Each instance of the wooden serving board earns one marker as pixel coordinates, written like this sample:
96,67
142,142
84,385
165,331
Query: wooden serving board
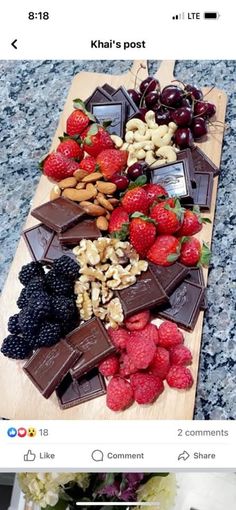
19,398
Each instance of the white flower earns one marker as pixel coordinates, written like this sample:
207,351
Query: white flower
161,489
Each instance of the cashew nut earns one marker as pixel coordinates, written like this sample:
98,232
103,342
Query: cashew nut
131,159
138,137
136,124
129,137
125,146
149,146
161,130
140,154
117,141
161,141
172,126
168,153
150,159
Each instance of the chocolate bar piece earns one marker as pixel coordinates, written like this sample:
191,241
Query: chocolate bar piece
202,194
55,250
99,95
184,305
187,156
108,88
59,214
49,365
86,229
122,95
73,392
202,163
175,178
147,292
37,239
169,277
114,112
92,341
195,275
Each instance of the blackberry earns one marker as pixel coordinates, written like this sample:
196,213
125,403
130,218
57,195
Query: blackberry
29,271
58,285
13,324
28,321
41,303
63,307
22,300
49,334
67,267
35,284
68,325
15,347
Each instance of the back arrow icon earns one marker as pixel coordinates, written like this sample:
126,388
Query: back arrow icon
14,44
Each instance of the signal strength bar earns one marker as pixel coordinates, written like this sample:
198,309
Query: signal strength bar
178,16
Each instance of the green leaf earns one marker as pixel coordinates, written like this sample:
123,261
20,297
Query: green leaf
106,123
93,130
140,181
205,255
172,257
142,217
79,104
121,234
206,220
183,239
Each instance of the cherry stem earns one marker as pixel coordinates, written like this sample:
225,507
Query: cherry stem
179,81
212,88
136,76
144,93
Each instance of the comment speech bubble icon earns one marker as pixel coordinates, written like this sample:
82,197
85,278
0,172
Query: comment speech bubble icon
97,455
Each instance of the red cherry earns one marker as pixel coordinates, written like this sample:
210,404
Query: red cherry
194,92
171,96
204,109
149,84
151,98
183,138
198,127
162,116
136,170
182,116
136,96
121,181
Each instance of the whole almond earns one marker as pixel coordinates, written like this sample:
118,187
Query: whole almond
104,202
80,174
113,201
106,187
70,182
102,223
78,195
92,177
92,209
80,185
55,192
91,189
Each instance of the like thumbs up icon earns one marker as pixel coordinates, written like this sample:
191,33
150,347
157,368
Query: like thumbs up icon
29,456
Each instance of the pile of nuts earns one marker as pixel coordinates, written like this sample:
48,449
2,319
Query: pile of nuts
94,195
150,142
106,265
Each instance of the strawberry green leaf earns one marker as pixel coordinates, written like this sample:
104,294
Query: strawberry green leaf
184,239
205,255
206,220
122,233
140,181
172,257
41,162
142,217
106,123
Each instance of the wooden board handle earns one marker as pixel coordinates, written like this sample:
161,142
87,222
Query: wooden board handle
165,72
139,69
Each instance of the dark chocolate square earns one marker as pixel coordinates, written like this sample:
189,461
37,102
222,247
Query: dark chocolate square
202,163
175,178
49,365
184,305
85,229
121,94
59,214
187,156
73,392
195,275
202,194
99,95
92,341
108,88
54,250
147,292
114,112
171,276
37,239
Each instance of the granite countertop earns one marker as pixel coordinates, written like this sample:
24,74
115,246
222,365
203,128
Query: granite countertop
32,95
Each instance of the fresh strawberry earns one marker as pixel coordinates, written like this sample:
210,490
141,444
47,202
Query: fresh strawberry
192,253
96,139
160,364
168,219
140,348
155,192
119,337
127,367
180,355
88,164
146,387
79,119
135,200
58,167
142,233
111,161
169,335
119,223
179,377
192,222
138,321
109,366
119,394
70,148
165,251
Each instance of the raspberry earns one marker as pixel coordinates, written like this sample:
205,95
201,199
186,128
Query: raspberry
152,331
138,321
15,347
13,324
169,335
67,267
127,367
119,337
179,377
146,387
141,349
109,366
30,270
180,355
160,364
119,394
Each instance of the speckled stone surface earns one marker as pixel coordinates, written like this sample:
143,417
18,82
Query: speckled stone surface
32,95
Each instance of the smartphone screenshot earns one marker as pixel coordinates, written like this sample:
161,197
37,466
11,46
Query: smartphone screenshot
117,315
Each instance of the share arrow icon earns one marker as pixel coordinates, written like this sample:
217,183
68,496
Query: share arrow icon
184,455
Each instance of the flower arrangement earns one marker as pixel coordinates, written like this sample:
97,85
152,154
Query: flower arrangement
62,490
